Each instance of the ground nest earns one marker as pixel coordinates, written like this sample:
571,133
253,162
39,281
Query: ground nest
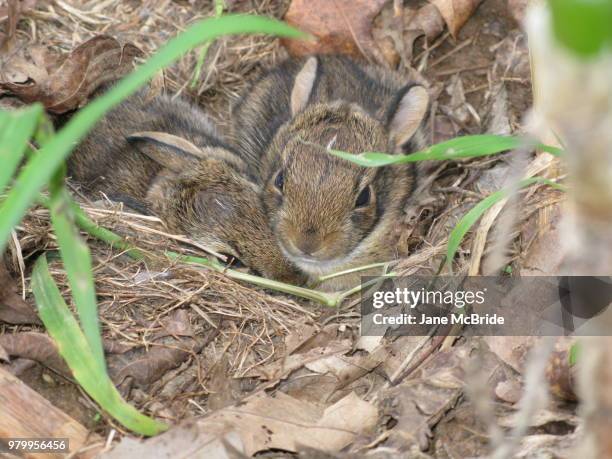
183,340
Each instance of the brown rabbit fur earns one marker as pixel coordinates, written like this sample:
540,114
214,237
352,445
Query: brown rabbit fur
329,214
165,156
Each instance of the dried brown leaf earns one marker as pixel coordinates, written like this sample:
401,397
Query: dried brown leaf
34,346
285,366
546,253
33,78
456,12
143,366
508,391
561,376
266,422
414,24
419,402
513,350
185,440
339,26
13,309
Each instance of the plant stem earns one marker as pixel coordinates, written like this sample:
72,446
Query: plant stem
326,299
358,288
113,239
352,270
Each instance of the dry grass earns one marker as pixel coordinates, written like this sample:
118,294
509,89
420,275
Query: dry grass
148,24
136,297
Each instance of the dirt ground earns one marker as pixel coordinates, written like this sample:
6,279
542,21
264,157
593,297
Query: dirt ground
183,342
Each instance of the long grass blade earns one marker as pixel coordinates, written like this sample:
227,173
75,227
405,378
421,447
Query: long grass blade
16,129
470,218
470,146
77,263
41,167
75,350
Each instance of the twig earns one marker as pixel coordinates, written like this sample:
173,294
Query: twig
456,49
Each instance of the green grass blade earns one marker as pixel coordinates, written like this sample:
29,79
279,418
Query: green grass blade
75,350
41,167
77,263
470,146
470,218
16,129
574,353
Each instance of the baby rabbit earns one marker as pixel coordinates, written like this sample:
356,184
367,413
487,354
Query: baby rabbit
328,214
165,156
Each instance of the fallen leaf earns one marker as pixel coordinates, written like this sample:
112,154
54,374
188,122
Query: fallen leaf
512,350
185,440
302,335
304,347
34,346
561,377
542,419
425,21
498,121
508,391
223,388
141,367
458,105
339,26
400,349
368,343
264,422
34,78
282,368
13,309
347,369
462,433
456,12
176,325
546,445
547,252
419,402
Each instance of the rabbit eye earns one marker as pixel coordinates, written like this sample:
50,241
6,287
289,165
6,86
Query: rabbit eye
279,181
364,197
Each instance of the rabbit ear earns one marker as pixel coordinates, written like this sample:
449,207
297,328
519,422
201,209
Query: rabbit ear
171,151
407,114
302,87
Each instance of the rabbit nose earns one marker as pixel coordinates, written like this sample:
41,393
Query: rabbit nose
308,244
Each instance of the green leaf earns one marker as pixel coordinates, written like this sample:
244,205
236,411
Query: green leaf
469,146
77,262
582,26
75,350
39,170
574,354
469,219
16,129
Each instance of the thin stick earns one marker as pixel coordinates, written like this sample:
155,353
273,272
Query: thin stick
352,270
